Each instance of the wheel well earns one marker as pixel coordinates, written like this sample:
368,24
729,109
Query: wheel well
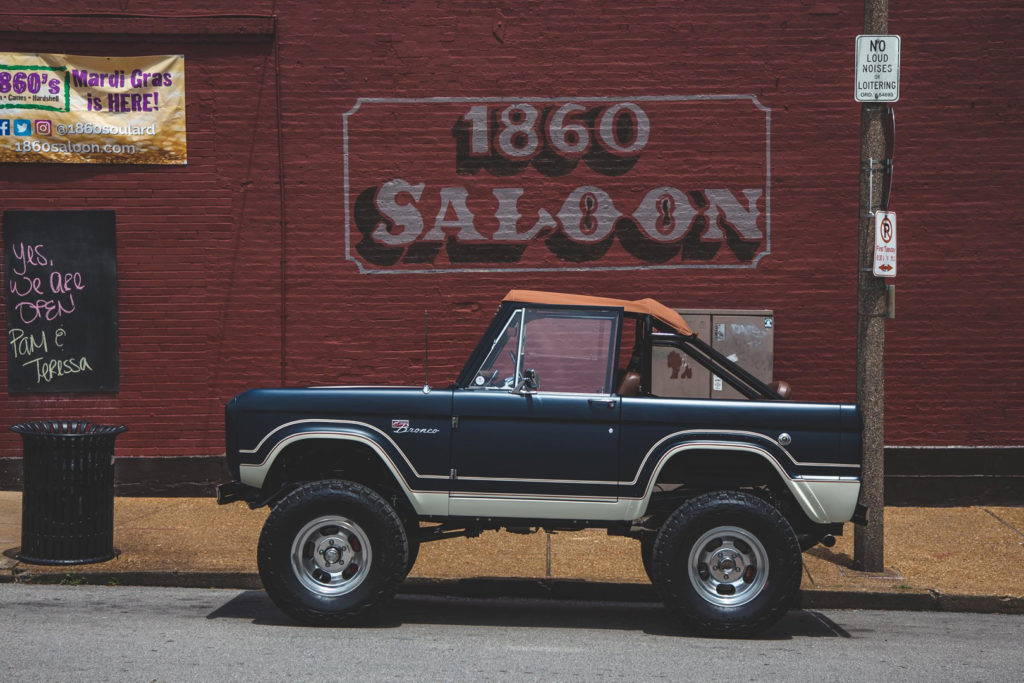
696,471
319,459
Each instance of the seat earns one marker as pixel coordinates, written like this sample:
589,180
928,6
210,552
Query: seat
630,384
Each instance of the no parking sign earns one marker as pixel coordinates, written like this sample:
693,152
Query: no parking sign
885,244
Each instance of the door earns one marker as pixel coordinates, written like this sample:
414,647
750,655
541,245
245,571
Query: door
555,439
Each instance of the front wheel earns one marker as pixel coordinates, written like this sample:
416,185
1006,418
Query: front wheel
331,550
646,554
728,562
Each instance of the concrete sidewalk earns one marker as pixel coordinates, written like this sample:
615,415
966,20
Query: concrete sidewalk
957,559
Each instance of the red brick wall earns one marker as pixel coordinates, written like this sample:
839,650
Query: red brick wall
200,247
198,252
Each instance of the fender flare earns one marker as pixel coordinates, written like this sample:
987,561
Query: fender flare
391,455
807,491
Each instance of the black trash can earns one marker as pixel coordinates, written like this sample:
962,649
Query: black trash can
67,508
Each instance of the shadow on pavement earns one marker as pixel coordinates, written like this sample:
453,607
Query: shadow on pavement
841,559
253,606
648,618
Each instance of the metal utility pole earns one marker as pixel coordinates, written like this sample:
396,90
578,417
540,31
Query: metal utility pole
868,541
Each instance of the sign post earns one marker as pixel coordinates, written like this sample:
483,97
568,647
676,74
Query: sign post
877,82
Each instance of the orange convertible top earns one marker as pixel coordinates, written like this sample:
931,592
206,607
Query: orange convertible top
649,307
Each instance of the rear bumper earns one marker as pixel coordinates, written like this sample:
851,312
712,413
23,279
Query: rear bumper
827,501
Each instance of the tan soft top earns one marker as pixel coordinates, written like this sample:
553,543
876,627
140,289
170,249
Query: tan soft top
649,307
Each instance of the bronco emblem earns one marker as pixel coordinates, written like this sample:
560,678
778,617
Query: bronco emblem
402,427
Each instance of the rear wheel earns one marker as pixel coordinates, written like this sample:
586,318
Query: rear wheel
728,563
331,550
414,551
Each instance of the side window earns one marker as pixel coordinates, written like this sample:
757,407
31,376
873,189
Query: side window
499,368
570,351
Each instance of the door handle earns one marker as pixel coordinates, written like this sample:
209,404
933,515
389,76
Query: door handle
607,402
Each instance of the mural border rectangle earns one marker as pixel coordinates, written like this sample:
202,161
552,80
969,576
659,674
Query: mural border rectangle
490,100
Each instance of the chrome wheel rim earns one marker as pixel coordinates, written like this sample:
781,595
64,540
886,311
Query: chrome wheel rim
331,555
728,566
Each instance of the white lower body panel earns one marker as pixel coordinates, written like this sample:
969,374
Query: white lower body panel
826,501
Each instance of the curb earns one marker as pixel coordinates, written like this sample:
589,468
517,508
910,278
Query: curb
930,601
236,580
562,589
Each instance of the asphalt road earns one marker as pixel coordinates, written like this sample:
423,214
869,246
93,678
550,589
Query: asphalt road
180,634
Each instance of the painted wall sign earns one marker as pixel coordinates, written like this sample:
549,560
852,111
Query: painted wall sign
60,282
92,110
616,183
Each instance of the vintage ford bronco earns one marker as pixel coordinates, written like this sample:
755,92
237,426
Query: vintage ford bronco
553,425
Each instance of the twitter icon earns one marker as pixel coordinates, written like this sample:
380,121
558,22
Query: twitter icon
22,127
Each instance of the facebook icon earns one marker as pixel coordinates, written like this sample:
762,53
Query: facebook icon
5,126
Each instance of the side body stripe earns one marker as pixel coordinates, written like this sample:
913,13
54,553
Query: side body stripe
429,495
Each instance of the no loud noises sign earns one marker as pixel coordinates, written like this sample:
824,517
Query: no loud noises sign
877,76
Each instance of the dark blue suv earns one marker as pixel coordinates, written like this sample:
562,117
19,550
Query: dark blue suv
552,424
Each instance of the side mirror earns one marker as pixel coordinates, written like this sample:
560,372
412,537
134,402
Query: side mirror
528,383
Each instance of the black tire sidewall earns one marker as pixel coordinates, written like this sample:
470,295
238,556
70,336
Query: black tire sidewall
670,559
647,554
383,529
414,551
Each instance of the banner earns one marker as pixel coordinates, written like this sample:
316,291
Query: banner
92,110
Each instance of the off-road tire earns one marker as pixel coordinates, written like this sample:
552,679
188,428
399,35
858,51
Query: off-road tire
647,553
714,534
414,551
334,512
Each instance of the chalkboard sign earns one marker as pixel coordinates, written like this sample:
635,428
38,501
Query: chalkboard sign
60,277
